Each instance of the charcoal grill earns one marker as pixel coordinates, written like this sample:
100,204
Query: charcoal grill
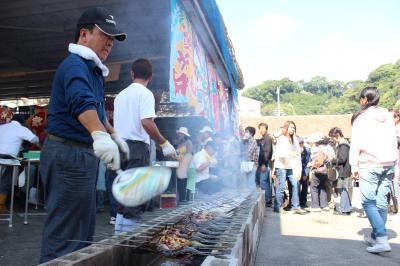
226,236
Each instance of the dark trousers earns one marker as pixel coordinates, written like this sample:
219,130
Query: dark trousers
258,177
329,189
110,177
69,175
139,155
182,193
303,192
6,179
318,191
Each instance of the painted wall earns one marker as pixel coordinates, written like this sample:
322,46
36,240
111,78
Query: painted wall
194,78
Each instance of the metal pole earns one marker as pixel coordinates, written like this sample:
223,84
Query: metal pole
278,90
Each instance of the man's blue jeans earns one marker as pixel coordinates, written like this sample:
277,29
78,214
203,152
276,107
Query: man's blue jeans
69,175
110,177
374,188
265,185
283,175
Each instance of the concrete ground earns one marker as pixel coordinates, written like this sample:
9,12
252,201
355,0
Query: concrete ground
20,245
322,239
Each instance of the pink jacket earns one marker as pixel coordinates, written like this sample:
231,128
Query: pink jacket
373,140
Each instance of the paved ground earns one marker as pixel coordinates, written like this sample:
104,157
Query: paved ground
20,245
322,239
287,239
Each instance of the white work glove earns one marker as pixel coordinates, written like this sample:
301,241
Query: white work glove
122,145
168,149
106,149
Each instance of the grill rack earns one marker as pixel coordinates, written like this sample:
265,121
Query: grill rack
234,205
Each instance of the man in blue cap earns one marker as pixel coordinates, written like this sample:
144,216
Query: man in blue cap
79,135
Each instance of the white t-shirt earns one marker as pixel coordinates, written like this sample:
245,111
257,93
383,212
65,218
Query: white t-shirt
131,105
11,136
198,159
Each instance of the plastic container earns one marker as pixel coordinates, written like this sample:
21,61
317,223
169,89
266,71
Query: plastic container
167,201
33,155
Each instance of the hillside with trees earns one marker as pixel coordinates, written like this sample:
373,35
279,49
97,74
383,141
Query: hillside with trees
322,96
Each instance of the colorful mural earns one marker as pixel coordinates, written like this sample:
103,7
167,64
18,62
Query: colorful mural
193,77
181,58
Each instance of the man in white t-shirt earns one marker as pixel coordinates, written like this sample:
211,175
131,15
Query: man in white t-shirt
201,162
12,134
134,113
205,136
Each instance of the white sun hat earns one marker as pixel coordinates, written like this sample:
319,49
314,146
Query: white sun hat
184,131
205,129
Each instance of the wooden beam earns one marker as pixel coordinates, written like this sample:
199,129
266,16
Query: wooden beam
25,58
57,6
58,30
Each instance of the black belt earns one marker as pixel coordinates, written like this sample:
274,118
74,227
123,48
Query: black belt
70,142
136,142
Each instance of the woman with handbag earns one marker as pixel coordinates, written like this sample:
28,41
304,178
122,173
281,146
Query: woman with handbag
250,154
341,167
288,166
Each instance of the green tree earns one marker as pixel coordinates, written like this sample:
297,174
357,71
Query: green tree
321,96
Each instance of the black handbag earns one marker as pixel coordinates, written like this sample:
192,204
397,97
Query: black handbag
332,171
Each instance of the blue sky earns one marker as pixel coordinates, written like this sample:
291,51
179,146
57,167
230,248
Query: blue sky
299,39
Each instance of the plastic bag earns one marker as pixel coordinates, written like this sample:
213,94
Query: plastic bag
138,185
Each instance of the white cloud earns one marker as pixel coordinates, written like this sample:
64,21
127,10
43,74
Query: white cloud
339,56
336,56
272,29
256,42
262,51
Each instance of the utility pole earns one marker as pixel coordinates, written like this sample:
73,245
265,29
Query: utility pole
278,90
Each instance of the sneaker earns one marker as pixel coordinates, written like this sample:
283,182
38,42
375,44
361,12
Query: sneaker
287,208
299,211
381,245
326,209
341,213
112,221
368,240
305,209
362,215
315,209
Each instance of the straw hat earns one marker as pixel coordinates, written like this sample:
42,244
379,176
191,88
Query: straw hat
206,129
184,131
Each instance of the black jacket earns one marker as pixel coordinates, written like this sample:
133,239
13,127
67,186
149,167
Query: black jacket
265,150
342,160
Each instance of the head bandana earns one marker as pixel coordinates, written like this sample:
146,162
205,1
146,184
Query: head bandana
6,115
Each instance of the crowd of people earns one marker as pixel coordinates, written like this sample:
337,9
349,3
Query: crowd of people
330,166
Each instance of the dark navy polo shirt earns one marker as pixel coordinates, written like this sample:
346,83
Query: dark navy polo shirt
78,86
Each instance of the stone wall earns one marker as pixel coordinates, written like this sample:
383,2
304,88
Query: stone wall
306,124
